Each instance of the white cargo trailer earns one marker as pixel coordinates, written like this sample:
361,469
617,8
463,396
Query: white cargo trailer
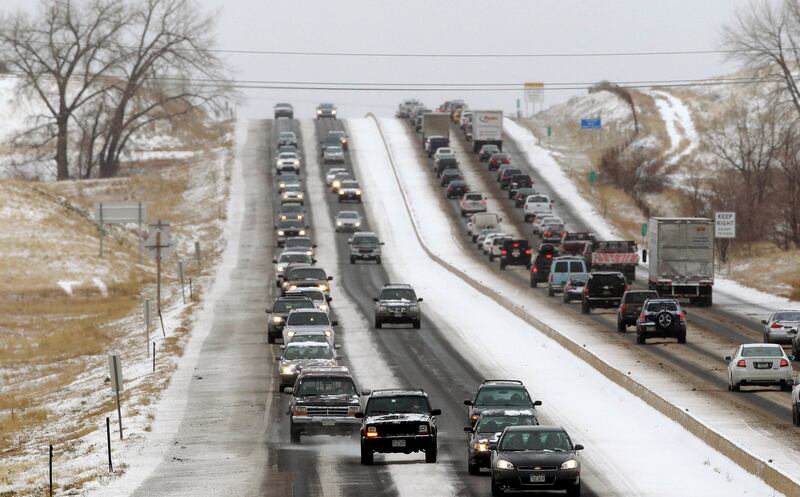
487,128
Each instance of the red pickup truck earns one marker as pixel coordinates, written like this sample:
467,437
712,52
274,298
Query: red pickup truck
615,255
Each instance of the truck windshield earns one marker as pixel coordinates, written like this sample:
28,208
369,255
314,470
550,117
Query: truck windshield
308,319
414,404
398,294
308,352
326,386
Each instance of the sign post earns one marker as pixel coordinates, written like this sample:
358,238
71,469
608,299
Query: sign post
116,384
158,246
147,322
534,94
119,213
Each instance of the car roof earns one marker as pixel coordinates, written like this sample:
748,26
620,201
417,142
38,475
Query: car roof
396,285
292,297
312,310
391,392
535,428
364,233
661,299
501,382
308,344
508,412
329,371
644,291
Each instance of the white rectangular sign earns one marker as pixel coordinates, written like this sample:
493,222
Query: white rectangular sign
534,92
121,212
115,373
725,225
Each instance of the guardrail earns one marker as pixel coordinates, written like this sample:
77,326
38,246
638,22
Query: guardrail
749,462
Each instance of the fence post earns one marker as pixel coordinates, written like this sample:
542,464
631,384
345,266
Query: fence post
51,471
154,357
108,440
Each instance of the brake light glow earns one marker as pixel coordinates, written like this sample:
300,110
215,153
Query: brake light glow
776,325
549,256
528,252
641,317
516,245
503,252
741,364
681,316
623,308
784,363
535,269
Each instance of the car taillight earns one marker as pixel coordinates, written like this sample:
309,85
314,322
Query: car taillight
549,256
516,245
503,252
776,325
586,290
681,316
784,363
483,202
623,308
641,317
528,252
741,364
535,269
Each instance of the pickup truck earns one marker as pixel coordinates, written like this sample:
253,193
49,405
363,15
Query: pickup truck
575,243
615,255
536,205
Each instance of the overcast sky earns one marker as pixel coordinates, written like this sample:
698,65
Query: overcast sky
459,27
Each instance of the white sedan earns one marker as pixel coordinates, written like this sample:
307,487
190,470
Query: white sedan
331,174
759,364
487,242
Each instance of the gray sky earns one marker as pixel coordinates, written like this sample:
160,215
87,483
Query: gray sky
463,26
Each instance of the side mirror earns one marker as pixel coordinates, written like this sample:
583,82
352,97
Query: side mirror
349,241
537,403
313,261
274,226
436,412
330,278
578,447
644,255
366,392
337,346
334,323
288,390
268,311
277,358
313,246
791,358
419,299
308,227
764,321
728,358
358,415
493,445
282,347
329,299
374,299
382,243
467,402
468,429
274,261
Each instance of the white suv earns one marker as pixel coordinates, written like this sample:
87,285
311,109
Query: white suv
536,205
471,203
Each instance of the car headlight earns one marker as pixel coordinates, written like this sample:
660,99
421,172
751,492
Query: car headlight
296,162
287,370
481,446
283,185
283,217
571,464
352,410
302,232
280,269
413,308
290,334
293,287
299,195
357,224
336,184
308,252
280,232
323,287
319,112
333,112
358,192
338,223
277,319
503,464
300,411
327,333
474,418
422,429
372,432
323,307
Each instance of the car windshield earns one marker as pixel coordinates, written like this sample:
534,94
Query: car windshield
366,241
349,184
787,316
494,424
638,297
326,386
415,404
291,223
288,155
490,149
308,319
315,338
284,306
503,396
333,149
299,352
398,294
537,199
313,294
348,215
473,196
762,352
444,150
326,106
291,208
298,242
540,441
662,306
294,257
292,188
308,273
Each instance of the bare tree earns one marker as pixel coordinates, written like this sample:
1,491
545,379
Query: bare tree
168,71
766,37
786,191
61,57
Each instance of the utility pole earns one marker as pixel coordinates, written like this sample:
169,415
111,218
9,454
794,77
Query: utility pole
159,245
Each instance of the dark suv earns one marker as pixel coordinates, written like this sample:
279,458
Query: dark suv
505,177
324,401
398,421
487,429
540,269
661,318
631,307
397,303
515,253
434,143
603,290
499,394
280,310
487,151
365,246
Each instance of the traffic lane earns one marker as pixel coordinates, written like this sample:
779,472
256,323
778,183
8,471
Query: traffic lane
704,366
426,358
419,358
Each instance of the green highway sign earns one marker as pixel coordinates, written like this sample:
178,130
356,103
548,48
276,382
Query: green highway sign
644,229
592,177
549,131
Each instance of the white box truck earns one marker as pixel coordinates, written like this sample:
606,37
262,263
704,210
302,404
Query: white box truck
487,128
435,124
682,258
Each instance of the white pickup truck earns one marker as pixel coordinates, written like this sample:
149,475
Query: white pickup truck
536,205
482,220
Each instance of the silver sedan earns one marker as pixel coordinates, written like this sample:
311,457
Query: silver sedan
333,154
759,364
781,327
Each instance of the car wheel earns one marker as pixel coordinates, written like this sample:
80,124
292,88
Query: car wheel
378,323
417,324
270,338
430,453
294,434
352,260
566,298
473,469
550,292
682,338
534,283
574,490
378,260
796,348
640,339
735,386
585,309
496,489
621,326
491,257
796,415
281,386
786,387
502,265
367,455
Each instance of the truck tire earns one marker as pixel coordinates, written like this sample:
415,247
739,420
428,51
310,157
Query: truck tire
621,326
497,490
378,323
491,257
566,298
270,338
430,453
796,415
682,338
294,434
534,283
709,301
352,260
378,260
502,264
640,339
550,292
367,456
473,469
585,309
527,218
417,324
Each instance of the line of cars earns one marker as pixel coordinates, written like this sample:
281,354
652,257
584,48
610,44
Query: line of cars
599,274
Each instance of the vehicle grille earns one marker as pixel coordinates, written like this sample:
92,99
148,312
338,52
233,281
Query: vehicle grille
538,468
327,410
398,430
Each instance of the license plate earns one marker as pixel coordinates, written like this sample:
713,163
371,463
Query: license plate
328,422
398,443
762,365
537,478
398,314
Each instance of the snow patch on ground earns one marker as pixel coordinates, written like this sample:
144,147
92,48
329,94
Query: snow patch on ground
679,123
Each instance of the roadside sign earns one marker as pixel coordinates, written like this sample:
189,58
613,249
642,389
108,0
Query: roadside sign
549,131
591,123
725,225
120,212
644,230
115,373
159,240
534,92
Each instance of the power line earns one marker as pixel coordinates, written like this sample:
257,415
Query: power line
473,55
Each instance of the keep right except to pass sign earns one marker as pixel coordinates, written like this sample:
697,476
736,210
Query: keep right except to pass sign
725,225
